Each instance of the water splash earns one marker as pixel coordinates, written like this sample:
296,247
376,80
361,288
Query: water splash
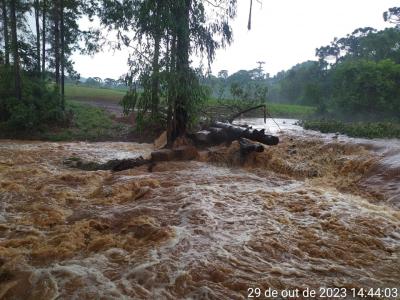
295,216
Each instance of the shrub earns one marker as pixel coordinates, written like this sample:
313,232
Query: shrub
38,107
367,87
358,129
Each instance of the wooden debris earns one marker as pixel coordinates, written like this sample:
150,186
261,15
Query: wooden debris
161,141
224,132
179,153
113,165
182,153
162,155
247,147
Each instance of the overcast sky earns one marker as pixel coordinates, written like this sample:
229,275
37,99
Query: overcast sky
284,33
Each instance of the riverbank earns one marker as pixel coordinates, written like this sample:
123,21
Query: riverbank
97,116
87,122
355,129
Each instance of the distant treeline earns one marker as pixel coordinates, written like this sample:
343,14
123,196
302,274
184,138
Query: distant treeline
357,75
109,83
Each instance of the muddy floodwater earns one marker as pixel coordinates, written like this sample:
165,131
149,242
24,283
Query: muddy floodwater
314,211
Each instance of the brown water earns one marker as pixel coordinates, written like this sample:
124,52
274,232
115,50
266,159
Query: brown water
299,215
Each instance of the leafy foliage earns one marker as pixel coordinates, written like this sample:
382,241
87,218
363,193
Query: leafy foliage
356,76
161,36
32,58
39,105
298,84
357,129
250,94
128,102
367,87
392,15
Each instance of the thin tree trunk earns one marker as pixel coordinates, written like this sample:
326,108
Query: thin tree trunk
37,12
251,9
5,28
44,39
171,90
155,80
14,43
56,46
62,55
182,69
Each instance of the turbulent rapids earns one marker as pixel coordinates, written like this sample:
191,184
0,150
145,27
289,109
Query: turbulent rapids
309,212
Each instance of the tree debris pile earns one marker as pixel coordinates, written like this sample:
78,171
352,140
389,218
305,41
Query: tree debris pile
225,133
250,140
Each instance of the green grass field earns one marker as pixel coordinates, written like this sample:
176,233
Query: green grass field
89,123
290,110
84,93
92,123
356,129
275,109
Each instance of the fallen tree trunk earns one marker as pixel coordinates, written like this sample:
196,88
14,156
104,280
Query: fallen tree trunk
182,153
217,134
235,132
224,132
113,165
231,119
179,154
247,147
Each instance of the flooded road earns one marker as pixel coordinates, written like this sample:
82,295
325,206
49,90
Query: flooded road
315,211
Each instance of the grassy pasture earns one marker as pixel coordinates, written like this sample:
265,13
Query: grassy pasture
84,93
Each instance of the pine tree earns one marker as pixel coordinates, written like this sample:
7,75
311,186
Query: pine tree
37,21
15,50
44,12
5,32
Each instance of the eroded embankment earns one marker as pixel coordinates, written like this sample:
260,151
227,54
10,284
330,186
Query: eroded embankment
295,216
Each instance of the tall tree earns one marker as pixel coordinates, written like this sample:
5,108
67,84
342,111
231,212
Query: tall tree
62,42
171,30
171,69
392,15
196,25
5,29
182,14
37,16
365,43
56,42
15,50
250,11
44,12
155,80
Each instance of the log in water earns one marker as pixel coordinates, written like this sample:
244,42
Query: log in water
221,132
235,132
